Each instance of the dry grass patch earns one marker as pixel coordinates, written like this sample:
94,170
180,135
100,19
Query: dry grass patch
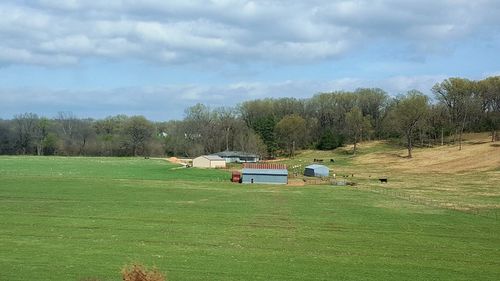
445,159
137,272
296,182
362,145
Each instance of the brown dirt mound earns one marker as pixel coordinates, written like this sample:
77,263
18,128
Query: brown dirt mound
174,160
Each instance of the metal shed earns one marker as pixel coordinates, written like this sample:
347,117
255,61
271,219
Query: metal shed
316,170
264,173
209,161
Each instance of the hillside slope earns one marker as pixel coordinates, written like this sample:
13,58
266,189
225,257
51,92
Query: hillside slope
447,177
477,154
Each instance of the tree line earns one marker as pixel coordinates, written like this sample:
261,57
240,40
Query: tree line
271,127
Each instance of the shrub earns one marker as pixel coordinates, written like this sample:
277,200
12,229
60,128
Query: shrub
137,272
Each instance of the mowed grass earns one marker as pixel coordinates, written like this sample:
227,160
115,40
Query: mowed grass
104,168
78,218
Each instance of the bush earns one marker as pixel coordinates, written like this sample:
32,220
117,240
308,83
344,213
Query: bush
137,272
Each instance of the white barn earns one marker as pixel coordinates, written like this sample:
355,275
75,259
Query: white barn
209,161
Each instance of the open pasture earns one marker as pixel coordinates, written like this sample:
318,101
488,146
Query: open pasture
78,218
466,180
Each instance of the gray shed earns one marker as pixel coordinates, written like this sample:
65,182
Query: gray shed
264,173
316,170
238,157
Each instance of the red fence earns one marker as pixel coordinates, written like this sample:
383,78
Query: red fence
266,166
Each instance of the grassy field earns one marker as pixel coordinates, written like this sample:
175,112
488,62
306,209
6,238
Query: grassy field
79,218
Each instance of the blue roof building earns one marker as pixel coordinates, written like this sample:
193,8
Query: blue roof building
264,174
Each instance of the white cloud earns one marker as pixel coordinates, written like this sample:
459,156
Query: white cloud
169,102
402,84
232,31
23,56
75,43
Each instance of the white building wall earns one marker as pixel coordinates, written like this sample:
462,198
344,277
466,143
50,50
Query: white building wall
218,164
201,162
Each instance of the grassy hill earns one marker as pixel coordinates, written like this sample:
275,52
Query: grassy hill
466,179
478,154
79,218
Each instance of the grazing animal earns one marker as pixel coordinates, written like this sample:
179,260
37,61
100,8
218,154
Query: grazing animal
382,180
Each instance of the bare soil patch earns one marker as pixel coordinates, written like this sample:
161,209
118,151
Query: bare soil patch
296,182
174,160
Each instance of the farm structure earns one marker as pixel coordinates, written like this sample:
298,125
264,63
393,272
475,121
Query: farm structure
209,161
264,173
316,170
238,157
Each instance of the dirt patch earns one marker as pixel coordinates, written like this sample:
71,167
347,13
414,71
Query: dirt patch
179,161
174,160
296,182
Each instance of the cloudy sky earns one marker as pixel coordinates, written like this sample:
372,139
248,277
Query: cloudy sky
157,57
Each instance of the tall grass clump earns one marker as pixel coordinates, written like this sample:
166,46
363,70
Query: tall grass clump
137,272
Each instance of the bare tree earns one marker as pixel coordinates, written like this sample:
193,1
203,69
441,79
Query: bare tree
356,124
7,141
408,114
67,122
83,131
460,97
489,90
25,131
226,118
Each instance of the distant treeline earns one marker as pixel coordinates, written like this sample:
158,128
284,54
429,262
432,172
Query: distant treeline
270,127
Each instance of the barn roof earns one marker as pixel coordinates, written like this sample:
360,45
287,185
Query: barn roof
265,166
213,157
235,154
265,169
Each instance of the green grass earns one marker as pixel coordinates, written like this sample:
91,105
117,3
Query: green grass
74,218
105,168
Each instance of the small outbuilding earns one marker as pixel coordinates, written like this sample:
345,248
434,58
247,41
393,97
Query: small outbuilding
316,170
264,173
209,161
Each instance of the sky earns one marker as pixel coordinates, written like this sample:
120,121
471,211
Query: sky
156,57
